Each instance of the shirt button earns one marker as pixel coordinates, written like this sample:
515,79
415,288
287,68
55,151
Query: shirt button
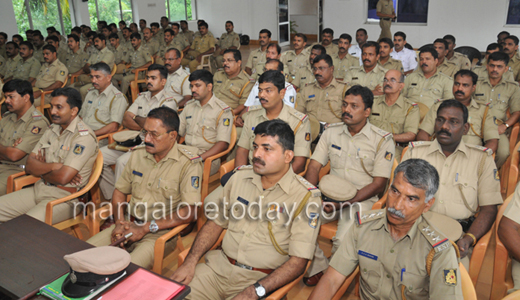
149,184
392,251
442,201
446,165
387,275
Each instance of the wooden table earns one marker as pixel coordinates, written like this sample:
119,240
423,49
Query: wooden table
31,256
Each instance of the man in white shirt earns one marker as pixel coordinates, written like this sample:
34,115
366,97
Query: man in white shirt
290,91
361,39
407,57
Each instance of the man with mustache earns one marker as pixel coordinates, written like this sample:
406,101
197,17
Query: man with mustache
360,153
481,70
20,129
62,158
297,58
361,39
385,60
327,35
322,99
206,121
104,105
511,49
394,113
390,245
12,62
29,68
483,129
502,95
53,73
444,65
370,74
428,84
342,60
163,181
305,75
468,175
407,56
186,32
134,119
228,40
256,60
177,85
202,45
149,42
251,265
75,58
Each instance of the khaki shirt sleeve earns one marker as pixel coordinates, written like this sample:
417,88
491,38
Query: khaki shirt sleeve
303,236
411,122
190,192
118,109
223,129
62,74
428,123
214,206
186,89
300,104
489,184
109,59
124,183
448,89
490,128
244,141
42,143
513,208
89,146
379,6
249,63
296,81
211,43
236,41
245,93
182,122
321,152
514,101
302,147
384,166
35,69
445,260
29,138
134,107
346,259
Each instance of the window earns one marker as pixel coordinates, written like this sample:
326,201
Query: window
111,11
40,14
513,13
177,10
407,11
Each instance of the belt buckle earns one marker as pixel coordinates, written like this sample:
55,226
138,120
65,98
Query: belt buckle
243,266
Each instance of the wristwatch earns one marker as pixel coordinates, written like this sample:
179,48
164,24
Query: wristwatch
259,289
507,125
153,227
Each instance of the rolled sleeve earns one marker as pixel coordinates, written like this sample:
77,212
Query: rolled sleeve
124,182
89,148
29,138
303,236
514,101
182,123
384,166
302,147
35,69
442,261
489,184
223,130
190,192
411,122
321,152
217,213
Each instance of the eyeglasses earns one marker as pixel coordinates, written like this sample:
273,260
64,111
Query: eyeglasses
228,60
314,69
154,134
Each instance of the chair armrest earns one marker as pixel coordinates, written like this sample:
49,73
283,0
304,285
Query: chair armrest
381,202
159,247
73,78
50,205
108,135
284,290
24,181
10,181
226,167
136,74
344,287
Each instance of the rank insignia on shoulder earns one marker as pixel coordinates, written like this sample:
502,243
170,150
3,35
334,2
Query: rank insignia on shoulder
36,130
226,122
309,186
450,277
78,149
195,181
415,144
414,104
369,216
244,167
313,220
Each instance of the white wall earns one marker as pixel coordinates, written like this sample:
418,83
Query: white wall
80,15
307,24
473,22
150,10
305,13
8,19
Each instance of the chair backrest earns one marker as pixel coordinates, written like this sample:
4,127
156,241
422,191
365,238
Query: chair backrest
114,70
501,260
468,290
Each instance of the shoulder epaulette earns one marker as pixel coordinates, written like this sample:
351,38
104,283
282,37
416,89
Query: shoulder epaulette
414,104
387,135
223,105
244,167
191,101
309,186
300,116
186,151
254,107
370,215
442,74
91,89
436,239
37,115
82,128
333,125
418,144
480,148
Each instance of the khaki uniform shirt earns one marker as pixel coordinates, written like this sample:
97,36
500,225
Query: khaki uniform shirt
10,65
120,54
419,89
476,133
324,104
3,51
233,91
373,145
505,95
75,147
51,73
38,54
145,103
459,176
386,266
298,122
402,116
203,43
514,65
482,73
385,7
332,49
27,69
342,66
75,61
152,45
102,109
164,47
248,241
358,75
293,62
2,62
139,57
126,44
228,40
178,85
448,68
256,62
188,34
180,42
461,60
62,53
30,127
392,64
303,77
105,55
174,179
203,126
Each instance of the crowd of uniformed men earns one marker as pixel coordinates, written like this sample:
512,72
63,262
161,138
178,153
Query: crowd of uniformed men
354,108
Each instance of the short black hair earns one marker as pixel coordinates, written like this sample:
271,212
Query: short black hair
471,74
15,45
22,87
113,36
142,20
4,35
302,36
17,36
442,41
176,25
328,31
499,56
27,44
279,64
401,34
101,36
456,104
236,54
92,34
76,30
135,35
203,24
514,38
365,93
266,31
346,36
275,45
168,117
73,96
494,46
503,32
177,52
202,75
230,22
184,22
387,41
52,38
325,57
274,77
155,24
430,50
363,30
51,48
122,22
170,32
371,44
101,66
127,29
319,47
449,37
277,128
51,28
162,70
75,37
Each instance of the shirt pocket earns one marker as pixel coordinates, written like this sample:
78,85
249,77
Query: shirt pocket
337,157
368,159
167,188
370,271
413,90
436,91
416,286
138,186
466,188
210,131
103,113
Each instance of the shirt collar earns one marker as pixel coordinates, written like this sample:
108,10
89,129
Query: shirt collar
72,126
173,154
284,183
365,131
28,114
157,97
435,146
107,91
412,233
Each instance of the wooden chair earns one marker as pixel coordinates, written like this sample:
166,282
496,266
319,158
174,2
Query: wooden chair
276,295
17,181
513,137
343,288
512,296
509,174
2,102
134,84
42,98
468,289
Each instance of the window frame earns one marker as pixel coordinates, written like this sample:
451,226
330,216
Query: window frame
60,14
120,11
193,11
376,21
506,25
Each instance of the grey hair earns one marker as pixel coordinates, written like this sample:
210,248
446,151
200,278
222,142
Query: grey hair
101,67
420,174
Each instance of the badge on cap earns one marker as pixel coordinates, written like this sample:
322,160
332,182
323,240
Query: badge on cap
450,277
36,130
62,73
195,181
307,136
78,149
495,174
226,122
313,220
388,156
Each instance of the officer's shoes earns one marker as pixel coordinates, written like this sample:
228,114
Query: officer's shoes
313,280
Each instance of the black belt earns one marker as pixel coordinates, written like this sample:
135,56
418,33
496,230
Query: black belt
386,19
404,145
466,223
